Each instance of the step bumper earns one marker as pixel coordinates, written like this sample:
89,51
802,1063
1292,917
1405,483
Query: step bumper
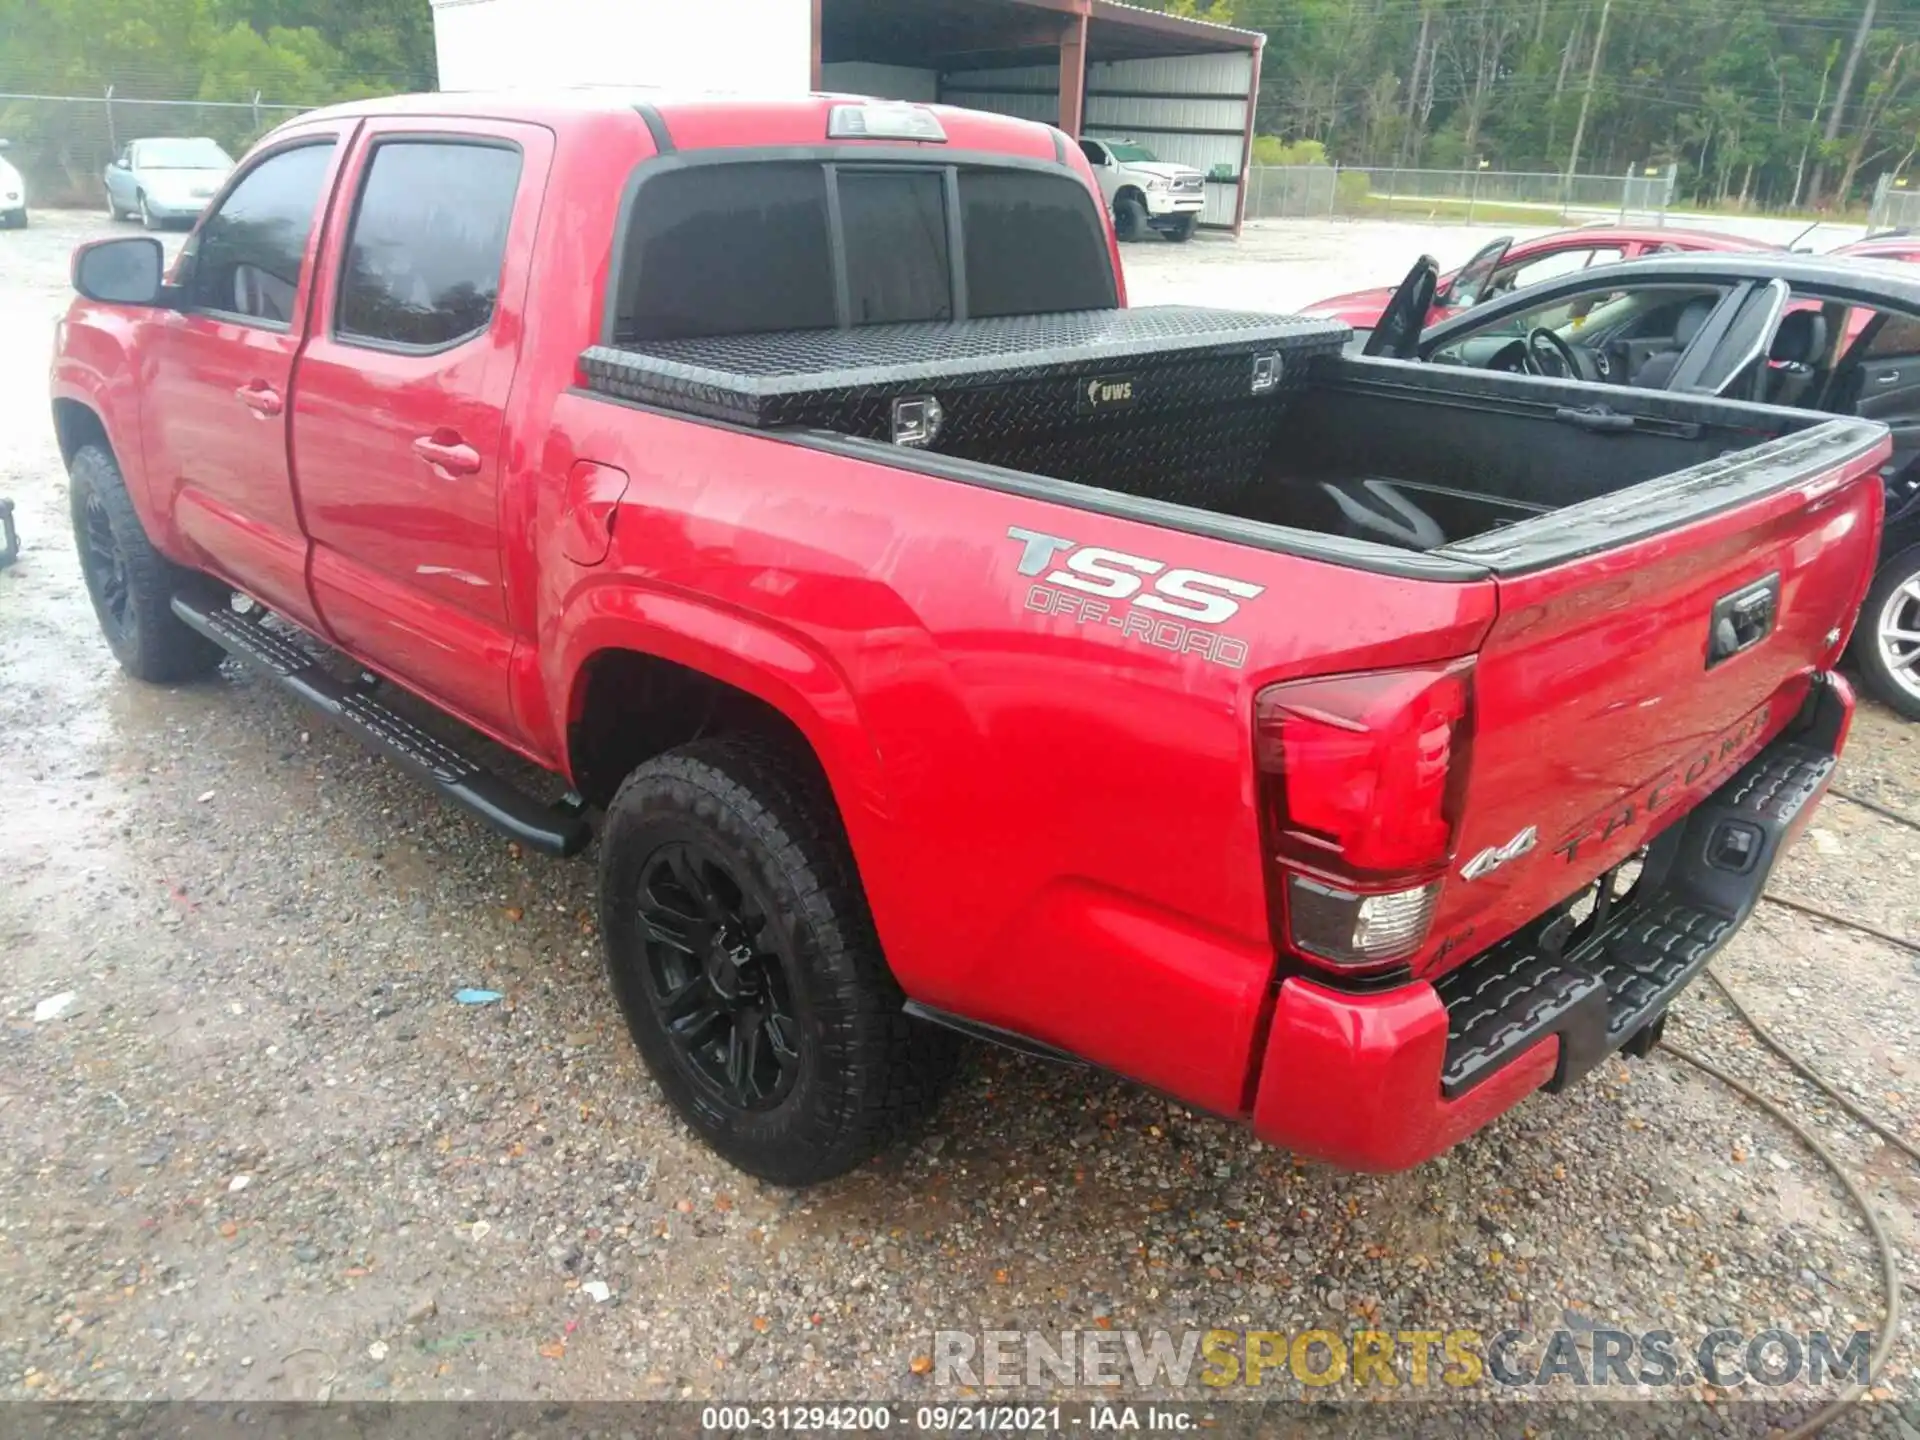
1384,1081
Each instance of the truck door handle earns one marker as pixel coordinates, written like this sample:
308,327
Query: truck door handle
445,450
1890,377
260,397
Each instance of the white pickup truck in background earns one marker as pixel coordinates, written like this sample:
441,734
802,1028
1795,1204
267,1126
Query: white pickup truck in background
1144,193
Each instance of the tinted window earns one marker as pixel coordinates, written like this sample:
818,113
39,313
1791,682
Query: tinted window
1552,266
1034,244
896,229
247,254
721,249
727,250
423,258
1094,153
1654,312
1898,335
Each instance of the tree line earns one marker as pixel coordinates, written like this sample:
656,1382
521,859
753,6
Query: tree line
1775,104
227,53
296,52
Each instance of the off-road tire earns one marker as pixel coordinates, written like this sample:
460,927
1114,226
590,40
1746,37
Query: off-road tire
866,1071
1182,229
1875,671
1129,218
146,637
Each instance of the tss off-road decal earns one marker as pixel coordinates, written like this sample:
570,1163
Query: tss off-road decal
1145,600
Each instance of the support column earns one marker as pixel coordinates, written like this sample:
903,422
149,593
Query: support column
1246,148
1073,73
813,70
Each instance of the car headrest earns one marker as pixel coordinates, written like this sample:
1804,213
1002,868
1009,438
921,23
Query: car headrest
1692,318
1801,338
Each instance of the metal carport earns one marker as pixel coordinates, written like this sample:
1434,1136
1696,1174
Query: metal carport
1184,87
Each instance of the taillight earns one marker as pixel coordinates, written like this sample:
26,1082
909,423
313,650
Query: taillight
1360,782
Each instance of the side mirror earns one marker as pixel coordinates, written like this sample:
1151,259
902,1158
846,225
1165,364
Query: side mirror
120,272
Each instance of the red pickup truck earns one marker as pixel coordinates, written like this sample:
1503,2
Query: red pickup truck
937,645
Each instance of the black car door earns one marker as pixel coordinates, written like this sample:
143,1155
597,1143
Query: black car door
1887,388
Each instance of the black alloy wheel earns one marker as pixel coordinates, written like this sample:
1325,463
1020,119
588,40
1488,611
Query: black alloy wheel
719,976
741,950
104,563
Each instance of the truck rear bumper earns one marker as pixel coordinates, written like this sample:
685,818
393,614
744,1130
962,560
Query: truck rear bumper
1383,1081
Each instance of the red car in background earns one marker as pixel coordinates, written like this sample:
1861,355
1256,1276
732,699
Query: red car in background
1504,266
1889,245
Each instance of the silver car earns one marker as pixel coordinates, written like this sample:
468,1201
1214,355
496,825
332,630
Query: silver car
166,179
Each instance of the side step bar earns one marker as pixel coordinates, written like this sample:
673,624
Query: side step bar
994,1035
551,829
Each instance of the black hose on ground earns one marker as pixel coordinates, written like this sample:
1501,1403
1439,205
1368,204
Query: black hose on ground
1806,1072
1889,1265
1819,913
1899,817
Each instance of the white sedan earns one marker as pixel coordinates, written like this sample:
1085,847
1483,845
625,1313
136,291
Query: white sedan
166,179
13,195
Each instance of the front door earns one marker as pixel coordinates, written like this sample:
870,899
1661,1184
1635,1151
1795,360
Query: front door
221,370
400,409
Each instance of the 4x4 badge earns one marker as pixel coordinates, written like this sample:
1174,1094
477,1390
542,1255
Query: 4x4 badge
1494,856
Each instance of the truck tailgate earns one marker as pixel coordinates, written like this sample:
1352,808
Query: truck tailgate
1647,645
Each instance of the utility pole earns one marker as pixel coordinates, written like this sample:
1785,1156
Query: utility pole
1586,100
1413,90
1847,70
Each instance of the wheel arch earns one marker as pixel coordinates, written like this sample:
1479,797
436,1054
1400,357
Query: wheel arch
77,423
640,672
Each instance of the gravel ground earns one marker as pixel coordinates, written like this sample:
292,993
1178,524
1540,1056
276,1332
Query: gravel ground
264,1154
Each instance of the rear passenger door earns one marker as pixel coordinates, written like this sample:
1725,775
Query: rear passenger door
400,411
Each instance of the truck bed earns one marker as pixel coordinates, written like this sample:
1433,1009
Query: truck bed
1249,417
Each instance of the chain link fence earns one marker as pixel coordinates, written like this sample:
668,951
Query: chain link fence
61,143
1896,204
1291,192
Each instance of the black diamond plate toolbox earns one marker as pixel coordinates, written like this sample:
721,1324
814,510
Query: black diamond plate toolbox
992,376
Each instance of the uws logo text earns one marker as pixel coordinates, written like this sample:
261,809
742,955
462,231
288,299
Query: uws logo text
1147,601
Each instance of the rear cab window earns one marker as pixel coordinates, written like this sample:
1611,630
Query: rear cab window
724,247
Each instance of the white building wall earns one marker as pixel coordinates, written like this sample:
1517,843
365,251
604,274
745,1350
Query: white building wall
888,82
1026,92
1151,106
757,46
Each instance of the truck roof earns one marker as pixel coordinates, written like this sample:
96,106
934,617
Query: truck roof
704,121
